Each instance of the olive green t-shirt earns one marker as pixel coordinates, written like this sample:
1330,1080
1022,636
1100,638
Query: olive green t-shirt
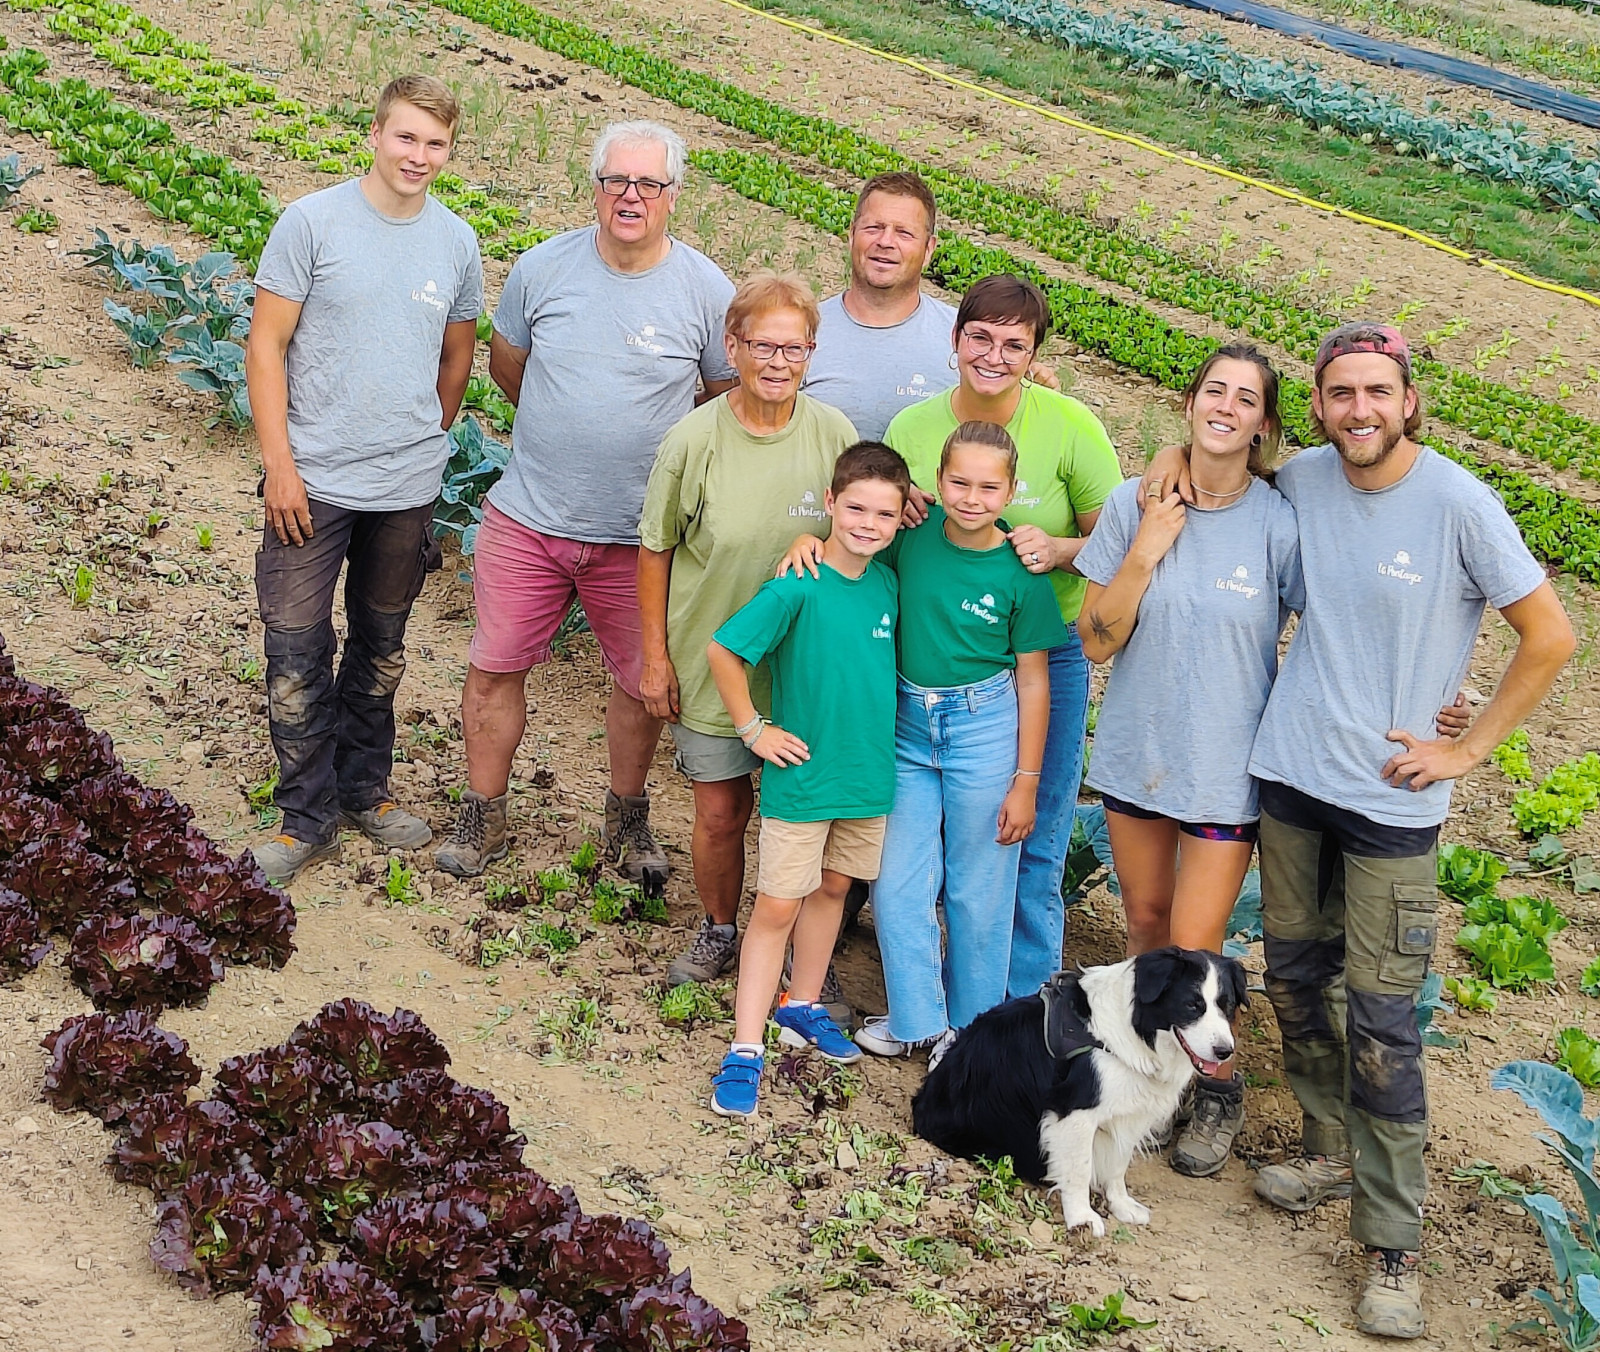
728,503
966,613
830,642
1066,466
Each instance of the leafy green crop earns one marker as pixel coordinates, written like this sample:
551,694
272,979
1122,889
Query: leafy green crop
1466,874
1531,915
1512,758
1471,993
1579,1055
1505,955
691,1003
1561,801
12,178
1589,981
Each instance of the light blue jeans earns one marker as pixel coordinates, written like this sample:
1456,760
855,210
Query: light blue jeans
955,755
1040,922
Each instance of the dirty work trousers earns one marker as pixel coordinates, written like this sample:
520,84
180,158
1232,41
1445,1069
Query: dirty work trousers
1348,909
334,734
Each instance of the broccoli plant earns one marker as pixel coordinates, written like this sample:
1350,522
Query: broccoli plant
215,368
12,177
146,333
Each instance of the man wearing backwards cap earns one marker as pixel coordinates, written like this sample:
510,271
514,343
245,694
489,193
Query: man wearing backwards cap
1402,550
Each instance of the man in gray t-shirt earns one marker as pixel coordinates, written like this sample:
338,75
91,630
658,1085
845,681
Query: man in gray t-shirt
1401,551
367,298
601,339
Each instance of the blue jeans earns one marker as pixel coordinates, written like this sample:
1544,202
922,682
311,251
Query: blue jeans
1036,933
955,755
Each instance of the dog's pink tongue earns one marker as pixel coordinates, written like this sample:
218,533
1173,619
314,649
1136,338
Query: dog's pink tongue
1209,1068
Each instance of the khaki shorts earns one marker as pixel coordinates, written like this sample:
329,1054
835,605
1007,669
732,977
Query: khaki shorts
707,759
793,854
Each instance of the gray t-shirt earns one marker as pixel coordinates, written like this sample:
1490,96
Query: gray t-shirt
1186,693
375,293
612,368
870,374
1396,584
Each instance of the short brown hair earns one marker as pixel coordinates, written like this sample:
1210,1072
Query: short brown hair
1265,449
765,291
871,460
1005,298
426,92
977,433
1369,338
898,183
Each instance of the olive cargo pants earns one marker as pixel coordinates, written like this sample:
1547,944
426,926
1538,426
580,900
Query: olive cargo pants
1348,910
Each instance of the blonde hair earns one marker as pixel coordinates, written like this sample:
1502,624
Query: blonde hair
987,434
431,95
765,291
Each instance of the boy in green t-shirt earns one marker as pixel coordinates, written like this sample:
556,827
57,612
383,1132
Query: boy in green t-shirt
829,781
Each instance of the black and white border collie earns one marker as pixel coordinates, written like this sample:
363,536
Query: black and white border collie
1070,1081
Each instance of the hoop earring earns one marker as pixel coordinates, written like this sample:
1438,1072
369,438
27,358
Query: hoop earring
952,362
1255,442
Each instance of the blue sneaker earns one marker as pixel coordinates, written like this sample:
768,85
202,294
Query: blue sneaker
734,1086
813,1026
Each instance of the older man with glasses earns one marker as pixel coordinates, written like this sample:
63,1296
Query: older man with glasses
605,337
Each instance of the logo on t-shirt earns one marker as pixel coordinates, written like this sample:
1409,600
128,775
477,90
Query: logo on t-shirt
1400,569
807,506
982,608
645,338
916,389
1240,583
1020,498
429,296
883,628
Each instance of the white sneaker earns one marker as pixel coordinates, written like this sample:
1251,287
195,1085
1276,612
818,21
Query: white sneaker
947,1040
874,1036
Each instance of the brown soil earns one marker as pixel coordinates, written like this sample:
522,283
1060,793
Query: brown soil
623,1116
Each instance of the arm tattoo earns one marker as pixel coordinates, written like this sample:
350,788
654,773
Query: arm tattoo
1102,630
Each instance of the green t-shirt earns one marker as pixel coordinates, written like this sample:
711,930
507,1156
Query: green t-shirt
831,645
966,613
728,504
1066,466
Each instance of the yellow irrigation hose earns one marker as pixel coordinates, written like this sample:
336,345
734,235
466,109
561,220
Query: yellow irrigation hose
1205,166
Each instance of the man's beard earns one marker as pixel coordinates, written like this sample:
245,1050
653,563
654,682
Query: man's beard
1375,453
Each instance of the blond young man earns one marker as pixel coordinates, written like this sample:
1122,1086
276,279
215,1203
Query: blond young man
367,299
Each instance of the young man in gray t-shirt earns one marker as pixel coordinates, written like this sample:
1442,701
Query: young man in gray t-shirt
367,300
1401,550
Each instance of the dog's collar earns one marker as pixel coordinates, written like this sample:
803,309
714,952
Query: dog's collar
1066,1034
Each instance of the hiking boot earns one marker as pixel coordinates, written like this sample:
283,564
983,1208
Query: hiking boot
1218,1113
1391,1301
874,1036
854,900
390,825
283,856
709,955
809,1026
831,996
1304,1183
629,844
478,837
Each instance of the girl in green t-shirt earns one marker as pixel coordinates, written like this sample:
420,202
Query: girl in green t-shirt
974,706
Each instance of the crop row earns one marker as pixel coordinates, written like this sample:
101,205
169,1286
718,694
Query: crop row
1557,527
1485,146
1475,405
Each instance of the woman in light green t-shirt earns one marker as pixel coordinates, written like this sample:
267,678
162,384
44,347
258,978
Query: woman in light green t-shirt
1066,469
731,485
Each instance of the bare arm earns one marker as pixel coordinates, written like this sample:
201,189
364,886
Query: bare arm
455,366
769,742
1042,552
1168,470
266,374
1105,624
506,364
658,682
1020,807
1544,643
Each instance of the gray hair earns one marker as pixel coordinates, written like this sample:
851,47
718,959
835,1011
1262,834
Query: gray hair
637,134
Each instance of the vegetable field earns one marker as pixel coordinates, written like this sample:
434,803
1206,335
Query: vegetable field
154,144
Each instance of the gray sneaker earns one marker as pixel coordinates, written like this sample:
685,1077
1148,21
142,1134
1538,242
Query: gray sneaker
709,955
390,825
1391,1300
478,837
1304,1183
283,856
1207,1140
630,844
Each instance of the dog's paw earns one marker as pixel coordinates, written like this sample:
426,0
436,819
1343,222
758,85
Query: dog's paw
1075,1220
1131,1212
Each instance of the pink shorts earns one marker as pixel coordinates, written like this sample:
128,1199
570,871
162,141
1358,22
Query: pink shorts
524,582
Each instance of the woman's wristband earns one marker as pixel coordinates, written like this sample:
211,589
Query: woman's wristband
1031,774
751,731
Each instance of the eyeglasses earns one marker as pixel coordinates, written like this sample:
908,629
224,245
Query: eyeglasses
793,353
617,185
1012,353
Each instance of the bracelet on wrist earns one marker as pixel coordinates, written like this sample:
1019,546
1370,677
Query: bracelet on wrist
1031,774
752,735
749,727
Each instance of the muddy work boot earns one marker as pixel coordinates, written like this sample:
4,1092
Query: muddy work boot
283,856
478,837
1300,1185
390,825
1206,1142
629,844
1391,1300
710,954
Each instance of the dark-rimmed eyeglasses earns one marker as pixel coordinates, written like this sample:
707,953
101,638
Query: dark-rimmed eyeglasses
617,185
1012,353
793,353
